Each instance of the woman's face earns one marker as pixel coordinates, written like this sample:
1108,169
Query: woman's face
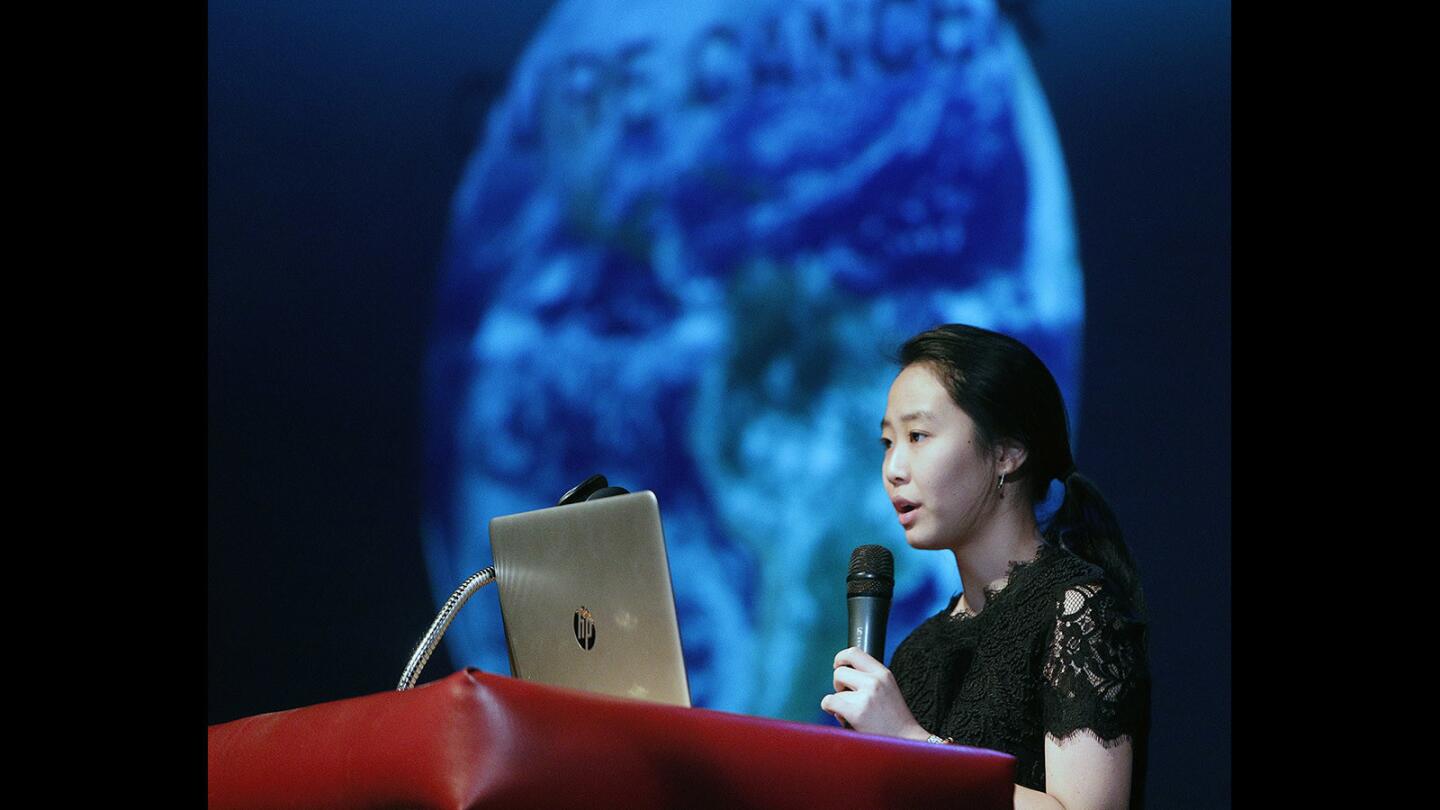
938,479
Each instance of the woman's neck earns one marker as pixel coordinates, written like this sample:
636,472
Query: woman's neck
984,561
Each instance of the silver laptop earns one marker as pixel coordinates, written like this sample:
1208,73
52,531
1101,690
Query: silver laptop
586,599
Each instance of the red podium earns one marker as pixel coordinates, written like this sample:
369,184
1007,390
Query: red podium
475,740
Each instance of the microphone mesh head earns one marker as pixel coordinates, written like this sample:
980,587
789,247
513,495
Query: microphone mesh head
872,572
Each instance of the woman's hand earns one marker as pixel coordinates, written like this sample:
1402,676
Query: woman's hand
867,697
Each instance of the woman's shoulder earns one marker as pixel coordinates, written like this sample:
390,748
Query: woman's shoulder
1092,618
1075,584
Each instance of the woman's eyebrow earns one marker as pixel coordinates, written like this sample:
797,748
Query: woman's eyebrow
908,417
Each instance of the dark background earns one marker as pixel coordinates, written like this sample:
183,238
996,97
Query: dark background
336,134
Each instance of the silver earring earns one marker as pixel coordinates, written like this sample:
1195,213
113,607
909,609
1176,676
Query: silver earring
1001,486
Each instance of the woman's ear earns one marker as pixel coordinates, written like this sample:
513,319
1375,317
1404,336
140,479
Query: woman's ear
1009,456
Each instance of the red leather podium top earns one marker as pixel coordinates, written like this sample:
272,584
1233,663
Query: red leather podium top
478,740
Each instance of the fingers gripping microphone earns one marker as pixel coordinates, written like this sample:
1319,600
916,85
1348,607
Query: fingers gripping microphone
868,588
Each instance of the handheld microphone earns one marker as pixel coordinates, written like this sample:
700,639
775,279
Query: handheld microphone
868,588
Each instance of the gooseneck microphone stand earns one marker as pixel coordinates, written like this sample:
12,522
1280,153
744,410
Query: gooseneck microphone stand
427,645
588,490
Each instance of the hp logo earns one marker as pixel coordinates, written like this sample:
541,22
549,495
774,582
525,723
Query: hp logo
584,628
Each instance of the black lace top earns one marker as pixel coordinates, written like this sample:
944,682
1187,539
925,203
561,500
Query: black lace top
1053,652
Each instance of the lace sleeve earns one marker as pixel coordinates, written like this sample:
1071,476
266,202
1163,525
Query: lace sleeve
1095,673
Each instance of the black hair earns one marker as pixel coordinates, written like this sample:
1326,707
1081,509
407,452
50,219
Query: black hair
1009,394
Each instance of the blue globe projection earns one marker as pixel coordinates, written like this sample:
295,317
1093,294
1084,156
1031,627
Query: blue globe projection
683,253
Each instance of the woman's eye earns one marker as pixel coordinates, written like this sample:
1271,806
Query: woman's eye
885,443
916,436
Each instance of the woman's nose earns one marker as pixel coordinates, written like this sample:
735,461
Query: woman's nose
897,467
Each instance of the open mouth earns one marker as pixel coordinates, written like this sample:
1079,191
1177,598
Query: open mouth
907,513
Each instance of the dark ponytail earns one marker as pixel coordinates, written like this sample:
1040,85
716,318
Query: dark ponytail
1085,526
1009,394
